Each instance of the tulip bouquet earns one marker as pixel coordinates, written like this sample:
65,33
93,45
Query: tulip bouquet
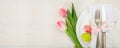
69,24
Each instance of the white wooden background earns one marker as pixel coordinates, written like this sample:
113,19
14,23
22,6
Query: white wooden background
32,23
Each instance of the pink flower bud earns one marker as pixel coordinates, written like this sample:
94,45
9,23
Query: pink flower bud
63,12
61,25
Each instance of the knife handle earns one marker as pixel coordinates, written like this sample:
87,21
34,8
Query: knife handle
103,39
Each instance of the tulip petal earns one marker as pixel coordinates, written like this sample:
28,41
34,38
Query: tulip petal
61,25
63,12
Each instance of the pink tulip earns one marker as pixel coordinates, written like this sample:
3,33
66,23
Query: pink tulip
63,12
61,25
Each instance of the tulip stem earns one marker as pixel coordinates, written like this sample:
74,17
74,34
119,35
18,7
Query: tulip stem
70,32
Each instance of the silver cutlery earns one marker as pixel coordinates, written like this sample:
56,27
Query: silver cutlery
106,11
98,23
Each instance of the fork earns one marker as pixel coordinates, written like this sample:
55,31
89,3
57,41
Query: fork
98,23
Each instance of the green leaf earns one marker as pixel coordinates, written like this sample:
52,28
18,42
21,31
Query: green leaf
75,46
72,35
71,20
74,15
71,27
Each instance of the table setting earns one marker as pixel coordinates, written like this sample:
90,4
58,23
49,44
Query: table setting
59,24
102,21
95,28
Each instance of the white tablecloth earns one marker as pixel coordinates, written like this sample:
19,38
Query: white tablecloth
32,23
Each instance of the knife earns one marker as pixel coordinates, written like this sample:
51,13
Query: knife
107,16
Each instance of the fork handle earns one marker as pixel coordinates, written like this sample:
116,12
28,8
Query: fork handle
98,43
103,39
